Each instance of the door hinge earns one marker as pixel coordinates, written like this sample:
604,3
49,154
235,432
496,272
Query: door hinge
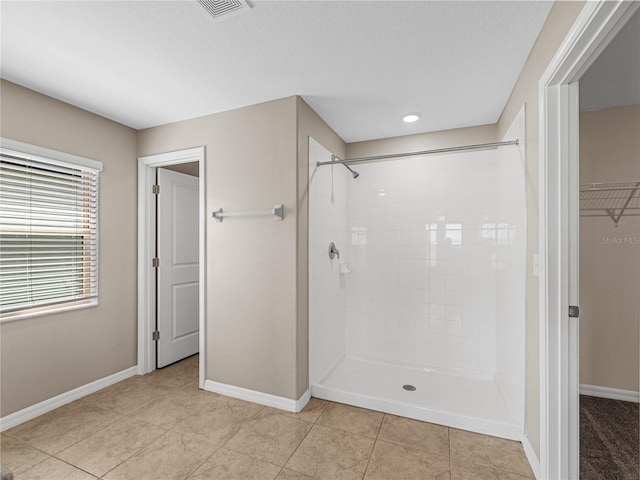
155,189
155,263
155,335
574,311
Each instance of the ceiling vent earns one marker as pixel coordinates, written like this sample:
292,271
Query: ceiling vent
223,9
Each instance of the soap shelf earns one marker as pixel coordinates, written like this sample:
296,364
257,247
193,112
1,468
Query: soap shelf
614,199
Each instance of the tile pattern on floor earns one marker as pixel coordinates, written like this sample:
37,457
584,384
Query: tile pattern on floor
161,426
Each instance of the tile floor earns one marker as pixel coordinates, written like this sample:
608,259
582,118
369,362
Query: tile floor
161,426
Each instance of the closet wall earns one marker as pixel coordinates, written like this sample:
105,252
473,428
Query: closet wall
609,254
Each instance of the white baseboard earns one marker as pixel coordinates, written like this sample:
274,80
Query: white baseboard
21,416
258,397
534,461
612,393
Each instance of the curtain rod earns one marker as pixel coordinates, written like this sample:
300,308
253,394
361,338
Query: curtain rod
335,160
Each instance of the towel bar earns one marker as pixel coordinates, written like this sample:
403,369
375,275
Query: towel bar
277,212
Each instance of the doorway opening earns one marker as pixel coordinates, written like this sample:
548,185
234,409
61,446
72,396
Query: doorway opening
186,192
596,26
176,257
609,259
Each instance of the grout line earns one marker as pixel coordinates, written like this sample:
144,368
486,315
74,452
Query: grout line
296,449
313,424
375,442
259,412
82,439
303,439
71,465
136,452
326,405
279,471
123,417
48,455
14,437
380,426
449,445
201,464
346,431
90,435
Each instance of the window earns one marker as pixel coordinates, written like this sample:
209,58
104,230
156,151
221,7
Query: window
48,230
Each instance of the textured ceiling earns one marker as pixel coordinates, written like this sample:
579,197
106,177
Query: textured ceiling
360,64
614,78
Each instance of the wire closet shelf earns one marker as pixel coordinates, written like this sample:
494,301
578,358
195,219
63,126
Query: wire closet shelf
611,199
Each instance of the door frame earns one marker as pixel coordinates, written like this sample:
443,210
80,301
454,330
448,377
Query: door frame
146,251
593,30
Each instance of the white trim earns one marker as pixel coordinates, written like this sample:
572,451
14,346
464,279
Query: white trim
572,187
611,393
258,397
26,414
510,431
26,150
594,28
303,400
48,310
530,453
146,227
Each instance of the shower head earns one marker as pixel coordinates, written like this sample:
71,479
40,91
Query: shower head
354,174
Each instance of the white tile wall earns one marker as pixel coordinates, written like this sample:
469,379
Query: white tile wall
434,245
423,247
511,271
327,220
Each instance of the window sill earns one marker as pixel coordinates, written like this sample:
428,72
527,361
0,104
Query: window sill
48,310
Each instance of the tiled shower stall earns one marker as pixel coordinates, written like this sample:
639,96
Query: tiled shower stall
429,287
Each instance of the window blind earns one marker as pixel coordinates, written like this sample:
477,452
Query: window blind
48,232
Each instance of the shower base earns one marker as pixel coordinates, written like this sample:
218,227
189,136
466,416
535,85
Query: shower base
454,400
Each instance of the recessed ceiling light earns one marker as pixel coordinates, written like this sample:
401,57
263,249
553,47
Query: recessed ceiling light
411,117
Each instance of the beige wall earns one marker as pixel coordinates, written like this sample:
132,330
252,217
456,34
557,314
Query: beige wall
256,157
610,272
251,262
45,356
257,330
423,141
309,124
557,25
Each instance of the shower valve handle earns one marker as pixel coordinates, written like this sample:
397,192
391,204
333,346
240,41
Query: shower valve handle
333,251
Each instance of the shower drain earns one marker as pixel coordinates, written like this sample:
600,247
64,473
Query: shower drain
409,388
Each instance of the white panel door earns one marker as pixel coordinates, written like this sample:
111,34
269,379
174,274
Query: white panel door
178,270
